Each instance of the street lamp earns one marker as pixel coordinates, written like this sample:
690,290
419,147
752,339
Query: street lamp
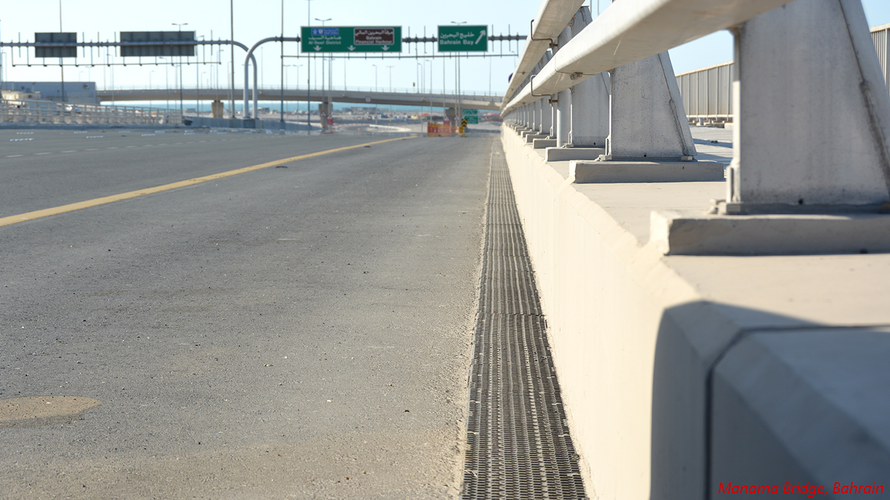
459,114
308,73
281,109
198,77
166,80
390,90
324,105
180,25
430,88
375,77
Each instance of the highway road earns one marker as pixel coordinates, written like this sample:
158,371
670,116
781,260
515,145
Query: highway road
301,329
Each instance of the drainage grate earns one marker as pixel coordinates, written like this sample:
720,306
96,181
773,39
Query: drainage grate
518,443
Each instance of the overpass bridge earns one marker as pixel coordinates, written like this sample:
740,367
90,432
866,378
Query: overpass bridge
485,102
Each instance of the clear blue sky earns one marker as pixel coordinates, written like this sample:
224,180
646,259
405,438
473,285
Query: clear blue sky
258,19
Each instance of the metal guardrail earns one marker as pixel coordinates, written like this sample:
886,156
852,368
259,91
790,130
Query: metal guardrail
707,92
810,175
49,112
627,32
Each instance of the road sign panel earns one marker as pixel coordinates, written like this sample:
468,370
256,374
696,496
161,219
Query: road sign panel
470,112
463,38
472,120
167,49
351,39
55,38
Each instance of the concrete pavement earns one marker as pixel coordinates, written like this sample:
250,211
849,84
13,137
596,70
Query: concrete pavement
299,332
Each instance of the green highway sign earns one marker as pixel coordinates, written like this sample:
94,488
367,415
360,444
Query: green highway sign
471,116
463,38
471,112
351,39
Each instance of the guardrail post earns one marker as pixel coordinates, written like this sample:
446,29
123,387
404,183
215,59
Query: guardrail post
811,167
546,107
537,121
812,113
649,138
589,108
648,120
564,101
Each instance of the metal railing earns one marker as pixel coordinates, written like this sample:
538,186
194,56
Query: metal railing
812,146
49,112
707,92
624,33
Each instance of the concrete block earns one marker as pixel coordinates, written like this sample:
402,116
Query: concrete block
839,154
566,154
543,143
806,408
674,233
530,138
640,171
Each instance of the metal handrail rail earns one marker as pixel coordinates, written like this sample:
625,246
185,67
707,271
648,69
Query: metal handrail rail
40,111
552,17
631,30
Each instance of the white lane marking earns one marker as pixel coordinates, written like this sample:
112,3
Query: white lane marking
13,156
40,154
70,151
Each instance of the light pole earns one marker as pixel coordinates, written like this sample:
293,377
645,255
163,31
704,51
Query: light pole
201,78
281,110
422,73
149,79
430,88
390,90
180,25
459,115
375,77
166,81
232,74
198,78
323,103
309,71
61,61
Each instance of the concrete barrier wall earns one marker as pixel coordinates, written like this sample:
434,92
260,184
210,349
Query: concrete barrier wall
681,375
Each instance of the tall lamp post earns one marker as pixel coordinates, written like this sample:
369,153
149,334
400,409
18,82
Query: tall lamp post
61,61
309,71
460,114
390,90
323,105
198,77
282,65
180,25
422,74
430,87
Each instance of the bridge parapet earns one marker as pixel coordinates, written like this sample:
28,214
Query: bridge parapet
685,360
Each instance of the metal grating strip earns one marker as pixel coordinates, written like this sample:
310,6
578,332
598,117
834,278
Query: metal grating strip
518,442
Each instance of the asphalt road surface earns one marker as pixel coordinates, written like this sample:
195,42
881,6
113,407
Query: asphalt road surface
300,330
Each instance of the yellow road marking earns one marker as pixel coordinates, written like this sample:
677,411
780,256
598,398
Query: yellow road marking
37,214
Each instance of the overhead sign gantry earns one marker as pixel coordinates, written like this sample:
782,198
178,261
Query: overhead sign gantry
351,39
